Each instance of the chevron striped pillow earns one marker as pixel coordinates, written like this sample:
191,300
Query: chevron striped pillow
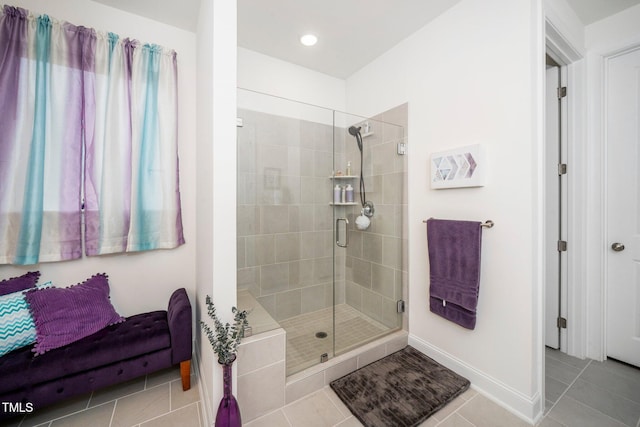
16,323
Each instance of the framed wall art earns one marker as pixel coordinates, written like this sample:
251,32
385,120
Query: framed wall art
457,168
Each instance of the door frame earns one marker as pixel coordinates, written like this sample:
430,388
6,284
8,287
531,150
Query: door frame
561,149
573,339
586,275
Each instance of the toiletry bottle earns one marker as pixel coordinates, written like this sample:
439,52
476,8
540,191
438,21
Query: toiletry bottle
349,191
343,195
349,168
336,194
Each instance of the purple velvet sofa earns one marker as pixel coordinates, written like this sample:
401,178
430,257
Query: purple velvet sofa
143,344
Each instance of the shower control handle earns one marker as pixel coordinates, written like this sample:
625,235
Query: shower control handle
346,231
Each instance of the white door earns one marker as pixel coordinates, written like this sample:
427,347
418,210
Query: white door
552,208
623,211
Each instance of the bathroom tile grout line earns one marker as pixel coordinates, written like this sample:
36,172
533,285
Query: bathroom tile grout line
581,403
456,411
115,404
48,423
346,416
566,390
166,413
258,369
284,413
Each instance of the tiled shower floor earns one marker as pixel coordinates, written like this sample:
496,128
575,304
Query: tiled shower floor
304,349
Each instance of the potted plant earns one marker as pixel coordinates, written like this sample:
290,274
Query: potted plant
224,339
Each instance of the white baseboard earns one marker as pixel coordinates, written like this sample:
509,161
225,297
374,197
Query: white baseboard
529,409
206,411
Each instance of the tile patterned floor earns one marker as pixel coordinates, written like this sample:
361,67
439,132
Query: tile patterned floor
324,409
352,329
156,400
584,393
580,393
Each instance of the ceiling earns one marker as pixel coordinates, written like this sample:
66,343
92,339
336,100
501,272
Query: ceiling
351,33
590,11
182,14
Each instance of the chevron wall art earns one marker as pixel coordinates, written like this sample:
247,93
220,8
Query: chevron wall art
461,167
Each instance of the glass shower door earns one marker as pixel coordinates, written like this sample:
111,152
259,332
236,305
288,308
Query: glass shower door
303,264
285,222
369,206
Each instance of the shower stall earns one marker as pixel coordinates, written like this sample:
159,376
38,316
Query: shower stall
321,214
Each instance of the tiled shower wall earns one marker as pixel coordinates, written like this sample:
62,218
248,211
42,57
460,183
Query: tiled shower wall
285,238
285,223
376,268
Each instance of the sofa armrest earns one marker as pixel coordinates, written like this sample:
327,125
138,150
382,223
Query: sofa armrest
180,326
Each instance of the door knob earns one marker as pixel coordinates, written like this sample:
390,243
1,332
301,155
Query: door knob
618,247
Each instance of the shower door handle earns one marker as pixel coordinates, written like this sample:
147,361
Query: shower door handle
346,231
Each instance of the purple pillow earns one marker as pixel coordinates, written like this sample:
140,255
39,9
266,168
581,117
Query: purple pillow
20,283
65,315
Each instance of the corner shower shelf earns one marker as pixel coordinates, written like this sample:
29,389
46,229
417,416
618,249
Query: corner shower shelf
343,177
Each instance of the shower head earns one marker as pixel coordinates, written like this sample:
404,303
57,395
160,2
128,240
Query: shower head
355,131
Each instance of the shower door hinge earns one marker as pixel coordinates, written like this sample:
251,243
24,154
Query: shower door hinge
562,246
239,122
400,306
562,323
562,169
562,92
402,149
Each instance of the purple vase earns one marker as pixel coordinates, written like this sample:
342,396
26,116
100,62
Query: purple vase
228,411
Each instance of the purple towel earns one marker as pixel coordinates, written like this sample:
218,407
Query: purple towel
454,258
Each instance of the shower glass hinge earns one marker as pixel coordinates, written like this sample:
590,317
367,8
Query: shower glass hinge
248,331
239,122
562,323
402,148
324,357
400,306
562,246
562,168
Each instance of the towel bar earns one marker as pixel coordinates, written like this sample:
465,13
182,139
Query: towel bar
487,224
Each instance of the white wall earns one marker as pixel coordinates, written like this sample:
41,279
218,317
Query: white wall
139,281
473,75
615,32
261,73
204,204
216,183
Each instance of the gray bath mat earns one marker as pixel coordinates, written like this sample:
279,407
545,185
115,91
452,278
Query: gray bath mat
402,389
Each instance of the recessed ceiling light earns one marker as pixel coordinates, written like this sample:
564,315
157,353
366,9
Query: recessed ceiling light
308,40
